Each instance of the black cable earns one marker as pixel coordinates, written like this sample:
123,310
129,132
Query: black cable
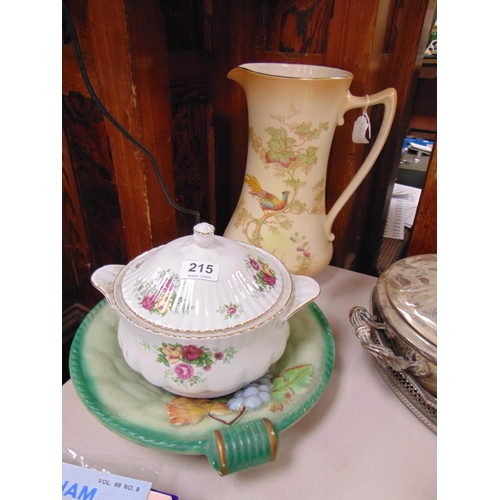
109,116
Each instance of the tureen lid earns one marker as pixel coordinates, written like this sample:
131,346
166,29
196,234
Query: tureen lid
204,283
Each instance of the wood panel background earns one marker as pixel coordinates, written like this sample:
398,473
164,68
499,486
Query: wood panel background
160,68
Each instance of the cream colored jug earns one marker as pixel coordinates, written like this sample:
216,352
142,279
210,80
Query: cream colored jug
293,110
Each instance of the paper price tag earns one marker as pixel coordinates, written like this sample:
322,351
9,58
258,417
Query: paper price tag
361,125
196,270
89,484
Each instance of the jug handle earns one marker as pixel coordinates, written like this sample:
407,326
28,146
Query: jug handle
388,98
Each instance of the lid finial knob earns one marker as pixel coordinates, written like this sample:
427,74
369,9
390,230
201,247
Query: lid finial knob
203,234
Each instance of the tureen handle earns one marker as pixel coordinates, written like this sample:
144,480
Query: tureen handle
104,279
305,290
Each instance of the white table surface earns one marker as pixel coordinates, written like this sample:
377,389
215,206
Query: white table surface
358,442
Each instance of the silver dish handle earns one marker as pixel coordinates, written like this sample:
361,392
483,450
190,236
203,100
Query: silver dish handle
365,327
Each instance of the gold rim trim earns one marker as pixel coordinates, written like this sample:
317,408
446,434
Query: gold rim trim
273,439
343,76
221,451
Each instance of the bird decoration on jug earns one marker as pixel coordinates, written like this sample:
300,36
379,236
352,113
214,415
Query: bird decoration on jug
266,200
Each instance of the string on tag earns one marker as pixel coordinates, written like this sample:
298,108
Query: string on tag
365,114
362,126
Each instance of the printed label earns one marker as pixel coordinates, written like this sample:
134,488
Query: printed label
89,484
199,270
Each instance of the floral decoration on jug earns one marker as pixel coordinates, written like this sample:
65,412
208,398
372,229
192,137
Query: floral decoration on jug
290,153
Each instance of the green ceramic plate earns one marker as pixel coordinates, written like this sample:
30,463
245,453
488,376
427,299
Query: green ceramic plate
127,404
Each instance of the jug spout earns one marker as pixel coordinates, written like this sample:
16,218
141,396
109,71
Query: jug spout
238,75
247,75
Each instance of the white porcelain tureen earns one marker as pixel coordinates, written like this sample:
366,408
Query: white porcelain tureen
203,315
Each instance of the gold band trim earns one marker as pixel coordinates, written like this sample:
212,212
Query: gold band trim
273,439
221,451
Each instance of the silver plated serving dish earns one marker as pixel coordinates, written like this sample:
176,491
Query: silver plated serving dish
401,332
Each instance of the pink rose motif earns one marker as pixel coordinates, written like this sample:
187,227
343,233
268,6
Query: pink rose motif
231,310
254,264
183,371
148,302
219,355
306,254
207,368
191,352
270,280
168,286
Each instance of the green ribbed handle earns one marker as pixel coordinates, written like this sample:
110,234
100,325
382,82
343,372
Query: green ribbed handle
243,445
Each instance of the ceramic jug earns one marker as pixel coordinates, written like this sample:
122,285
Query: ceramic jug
293,110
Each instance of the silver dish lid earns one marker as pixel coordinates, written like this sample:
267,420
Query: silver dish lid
411,286
204,283
405,297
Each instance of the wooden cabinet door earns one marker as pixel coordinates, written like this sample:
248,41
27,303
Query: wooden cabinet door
113,206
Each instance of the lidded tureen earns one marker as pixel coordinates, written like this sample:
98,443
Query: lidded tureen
203,315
